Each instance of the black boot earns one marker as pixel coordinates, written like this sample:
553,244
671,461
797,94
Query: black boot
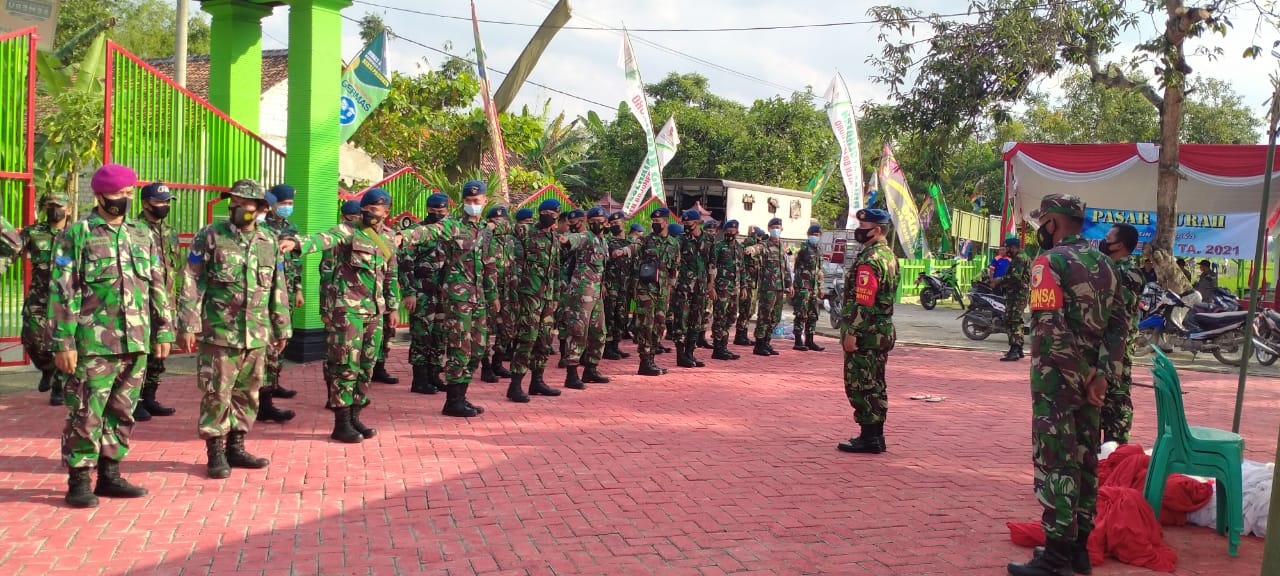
149,401
1080,563
702,342
768,345
217,468
740,339
799,344
871,441
55,391
140,413
343,431
683,359
498,369
611,351
564,352
649,368
571,379
1053,561
434,378
80,489
455,403
619,351
279,391
1014,354
267,411
238,457
538,386
591,375
422,381
691,346
761,348
722,351
380,374
515,389
365,431
486,372
46,380
111,485
810,344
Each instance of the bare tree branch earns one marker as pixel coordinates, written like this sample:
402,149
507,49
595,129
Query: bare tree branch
1113,77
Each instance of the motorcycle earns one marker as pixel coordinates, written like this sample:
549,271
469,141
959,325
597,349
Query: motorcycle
985,314
1208,327
941,286
1266,336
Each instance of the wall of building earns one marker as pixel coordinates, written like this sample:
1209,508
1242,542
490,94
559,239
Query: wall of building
795,212
354,164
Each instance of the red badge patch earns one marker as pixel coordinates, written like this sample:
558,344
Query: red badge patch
1046,294
867,285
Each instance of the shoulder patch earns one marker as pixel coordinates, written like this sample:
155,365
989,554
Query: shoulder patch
867,284
1046,293
195,258
63,261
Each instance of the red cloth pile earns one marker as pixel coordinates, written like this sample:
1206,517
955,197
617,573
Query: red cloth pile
1125,527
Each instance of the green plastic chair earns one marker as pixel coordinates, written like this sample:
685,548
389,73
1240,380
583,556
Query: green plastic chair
1195,451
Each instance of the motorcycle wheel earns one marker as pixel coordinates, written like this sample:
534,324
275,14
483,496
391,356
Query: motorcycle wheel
1265,358
972,330
1143,342
928,298
837,304
1230,348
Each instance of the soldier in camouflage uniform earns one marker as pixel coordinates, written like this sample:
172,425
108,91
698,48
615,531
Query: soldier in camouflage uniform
575,221
618,275
389,319
657,252
807,291
502,249
585,320
155,211
1014,283
725,270
1077,344
866,330
775,283
280,199
748,281
235,303
350,214
39,242
108,305
689,301
421,273
365,284
10,240
540,284
1117,410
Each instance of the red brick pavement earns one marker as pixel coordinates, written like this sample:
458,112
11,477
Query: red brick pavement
730,469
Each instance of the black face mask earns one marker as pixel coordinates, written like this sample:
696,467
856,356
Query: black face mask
242,217
1108,248
433,218
862,235
615,230
369,219
596,227
55,213
116,207
546,221
575,227
158,212
659,227
731,236
1044,237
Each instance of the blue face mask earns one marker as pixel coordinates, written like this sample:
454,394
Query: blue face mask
776,233
814,240
284,211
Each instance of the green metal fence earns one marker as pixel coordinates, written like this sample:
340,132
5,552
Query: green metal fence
17,190
908,269
546,193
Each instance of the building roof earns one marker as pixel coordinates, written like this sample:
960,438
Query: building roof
275,69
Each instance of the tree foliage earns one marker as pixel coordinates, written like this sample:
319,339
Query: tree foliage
144,27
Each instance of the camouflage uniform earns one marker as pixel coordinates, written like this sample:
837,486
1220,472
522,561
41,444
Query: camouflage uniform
689,301
503,247
108,303
726,260
170,252
618,274
10,240
775,282
585,319
651,297
281,228
1015,282
421,272
748,281
39,241
1117,409
540,283
870,287
808,284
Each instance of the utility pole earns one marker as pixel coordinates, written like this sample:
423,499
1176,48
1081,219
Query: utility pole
1271,548
180,45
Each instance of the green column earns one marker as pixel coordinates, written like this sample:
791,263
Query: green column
235,58
315,85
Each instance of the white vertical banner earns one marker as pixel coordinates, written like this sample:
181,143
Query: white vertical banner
845,127
649,177
668,142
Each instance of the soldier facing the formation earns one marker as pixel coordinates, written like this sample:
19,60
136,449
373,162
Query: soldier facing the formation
867,333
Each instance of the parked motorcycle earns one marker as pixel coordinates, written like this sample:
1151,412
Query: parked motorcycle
1266,336
939,287
1206,328
985,314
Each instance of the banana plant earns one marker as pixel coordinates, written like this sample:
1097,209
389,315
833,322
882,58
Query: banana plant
70,138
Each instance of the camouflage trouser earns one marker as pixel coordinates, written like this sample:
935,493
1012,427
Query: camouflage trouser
865,386
271,369
651,320
155,369
724,316
100,398
1013,319
388,332
230,379
352,342
746,304
1064,441
502,327
35,342
586,333
464,334
533,325
688,308
425,346
806,309
1117,406
770,312
617,309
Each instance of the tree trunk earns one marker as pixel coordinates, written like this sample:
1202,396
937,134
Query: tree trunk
1161,247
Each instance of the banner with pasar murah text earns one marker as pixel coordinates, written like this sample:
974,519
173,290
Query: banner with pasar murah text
1198,235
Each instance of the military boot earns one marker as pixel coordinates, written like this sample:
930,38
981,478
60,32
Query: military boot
217,467
422,381
365,431
611,351
498,369
343,431
799,344
279,391
761,348
703,343
55,392
691,346
649,368
515,389
140,413
624,355
46,380
722,351
591,375
683,359
486,372
571,379
380,374
810,344
768,345
740,339
538,386
111,485
433,376
1080,563
1054,561
80,489
238,457
455,403
149,401
1014,354
870,441
564,352
267,411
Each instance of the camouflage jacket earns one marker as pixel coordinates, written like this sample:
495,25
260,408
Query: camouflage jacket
165,237
39,242
420,268
773,267
325,272
664,251
1017,278
107,290
234,288
469,271
540,264
10,240
1077,317
590,251
503,248
1131,284
695,258
364,273
618,270
808,270
726,260
870,288
284,228
749,275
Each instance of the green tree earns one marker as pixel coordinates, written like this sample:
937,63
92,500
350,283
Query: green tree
371,25
143,27
76,16
71,134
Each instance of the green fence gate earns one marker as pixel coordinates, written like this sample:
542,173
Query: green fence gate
17,183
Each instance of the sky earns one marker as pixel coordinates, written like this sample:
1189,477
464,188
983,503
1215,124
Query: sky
743,66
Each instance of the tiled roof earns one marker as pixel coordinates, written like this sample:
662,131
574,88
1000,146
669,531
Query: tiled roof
275,69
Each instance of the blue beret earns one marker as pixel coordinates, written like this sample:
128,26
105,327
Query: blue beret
596,212
497,212
660,213
576,213
271,199
675,229
524,214
690,215
438,200
815,229
619,215
729,224
872,215
712,224
350,207
155,191
375,197
549,204
1012,241
283,192
775,222
474,188
637,228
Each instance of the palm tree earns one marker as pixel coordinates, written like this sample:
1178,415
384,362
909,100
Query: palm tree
561,152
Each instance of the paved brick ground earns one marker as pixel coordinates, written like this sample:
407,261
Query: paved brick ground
730,469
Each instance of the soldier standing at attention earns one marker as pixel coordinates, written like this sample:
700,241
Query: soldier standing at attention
748,281
277,222
690,297
866,330
350,214
421,274
585,320
575,222
617,277
657,255
1117,410
775,282
1014,282
501,249
108,306
235,301
726,264
540,284
155,211
39,242
807,291
1077,344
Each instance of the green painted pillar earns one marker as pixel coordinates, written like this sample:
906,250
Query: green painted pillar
235,59
315,86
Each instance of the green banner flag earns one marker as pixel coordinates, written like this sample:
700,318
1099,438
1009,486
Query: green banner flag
819,180
944,215
364,85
